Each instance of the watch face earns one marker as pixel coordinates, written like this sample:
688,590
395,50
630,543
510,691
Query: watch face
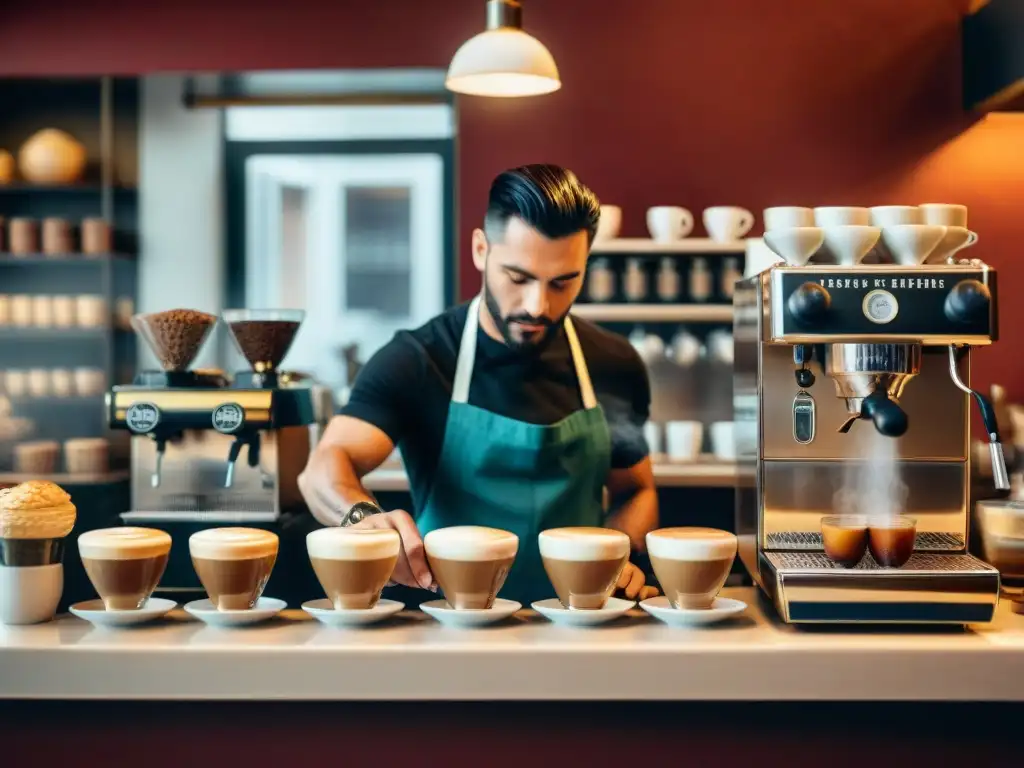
360,511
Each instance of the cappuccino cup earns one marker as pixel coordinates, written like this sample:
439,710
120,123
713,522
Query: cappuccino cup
583,564
470,563
124,564
691,564
233,564
891,540
353,564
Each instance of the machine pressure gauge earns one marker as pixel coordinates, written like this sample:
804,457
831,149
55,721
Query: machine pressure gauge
880,307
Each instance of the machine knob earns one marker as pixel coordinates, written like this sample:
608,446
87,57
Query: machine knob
889,419
968,302
809,304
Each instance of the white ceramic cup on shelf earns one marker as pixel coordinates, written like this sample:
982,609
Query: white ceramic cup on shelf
727,223
787,216
891,215
652,436
723,440
842,215
946,214
683,440
610,223
669,223
955,239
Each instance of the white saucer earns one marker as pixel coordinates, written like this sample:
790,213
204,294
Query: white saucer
450,617
265,608
323,610
94,612
723,607
554,610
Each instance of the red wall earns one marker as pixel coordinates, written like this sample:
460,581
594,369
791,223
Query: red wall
664,101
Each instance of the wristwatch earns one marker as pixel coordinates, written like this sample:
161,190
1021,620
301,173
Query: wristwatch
359,512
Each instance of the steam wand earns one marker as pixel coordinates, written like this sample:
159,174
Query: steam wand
988,415
161,447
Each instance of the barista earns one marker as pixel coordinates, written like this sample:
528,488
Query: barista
508,412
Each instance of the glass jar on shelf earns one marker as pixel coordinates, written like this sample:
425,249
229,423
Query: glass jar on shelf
635,280
700,280
731,274
600,281
668,280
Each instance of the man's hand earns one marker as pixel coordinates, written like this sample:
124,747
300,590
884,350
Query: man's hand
631,581
411,569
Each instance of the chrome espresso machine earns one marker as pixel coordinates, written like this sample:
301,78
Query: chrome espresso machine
843,369
208,449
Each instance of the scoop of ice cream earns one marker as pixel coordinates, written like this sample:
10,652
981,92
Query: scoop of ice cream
37,509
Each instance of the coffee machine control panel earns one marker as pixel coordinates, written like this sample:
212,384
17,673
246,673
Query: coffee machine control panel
937,305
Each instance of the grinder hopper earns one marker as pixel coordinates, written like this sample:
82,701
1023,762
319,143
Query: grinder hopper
264,336
175,336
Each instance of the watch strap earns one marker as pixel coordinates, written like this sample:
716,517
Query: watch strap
359,512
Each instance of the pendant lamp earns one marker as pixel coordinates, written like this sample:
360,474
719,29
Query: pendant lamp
503,61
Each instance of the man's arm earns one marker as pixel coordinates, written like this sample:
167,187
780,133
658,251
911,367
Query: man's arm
360,440
634,499
332,480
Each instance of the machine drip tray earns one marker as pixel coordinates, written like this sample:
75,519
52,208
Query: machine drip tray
932,588
811,540
920,563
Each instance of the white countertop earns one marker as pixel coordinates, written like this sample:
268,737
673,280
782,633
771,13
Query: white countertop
294,657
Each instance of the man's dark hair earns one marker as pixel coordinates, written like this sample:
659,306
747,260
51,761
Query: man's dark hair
547,197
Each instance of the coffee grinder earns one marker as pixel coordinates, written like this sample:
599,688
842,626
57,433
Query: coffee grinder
834,363
212,450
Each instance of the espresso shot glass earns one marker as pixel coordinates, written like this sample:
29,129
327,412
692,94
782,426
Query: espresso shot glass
845,538
891,540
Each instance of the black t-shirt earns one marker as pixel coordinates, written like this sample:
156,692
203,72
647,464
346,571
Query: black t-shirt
406,387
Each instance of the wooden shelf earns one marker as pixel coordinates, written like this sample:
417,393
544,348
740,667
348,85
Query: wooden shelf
41,259
63,478
704,473
61,189
695,245
16,333
56,401
655,313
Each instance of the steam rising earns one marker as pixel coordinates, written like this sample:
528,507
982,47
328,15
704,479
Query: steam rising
873,487
627,434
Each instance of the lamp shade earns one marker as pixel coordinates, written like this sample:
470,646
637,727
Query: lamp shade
504,62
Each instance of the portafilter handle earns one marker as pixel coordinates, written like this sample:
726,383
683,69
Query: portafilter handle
988,415
887,416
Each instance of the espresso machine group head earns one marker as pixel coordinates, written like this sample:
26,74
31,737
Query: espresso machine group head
895,341
191,428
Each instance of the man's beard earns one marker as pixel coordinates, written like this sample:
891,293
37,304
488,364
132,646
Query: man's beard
505,325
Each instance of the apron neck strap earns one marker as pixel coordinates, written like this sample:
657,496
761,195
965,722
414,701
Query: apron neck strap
467,357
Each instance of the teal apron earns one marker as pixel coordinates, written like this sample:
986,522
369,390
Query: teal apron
520,477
